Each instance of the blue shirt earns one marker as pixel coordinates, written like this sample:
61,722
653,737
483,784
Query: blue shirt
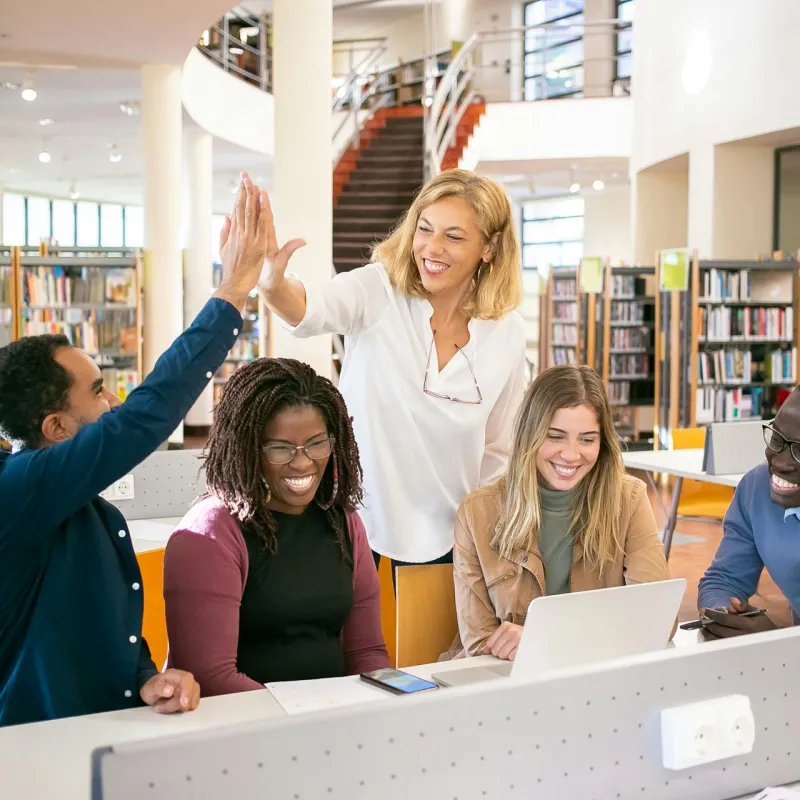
757,533
70,588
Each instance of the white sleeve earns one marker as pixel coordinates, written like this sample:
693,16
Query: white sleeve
349,304
500,424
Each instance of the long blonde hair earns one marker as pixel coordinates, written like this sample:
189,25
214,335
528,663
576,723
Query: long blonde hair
594,522
497,289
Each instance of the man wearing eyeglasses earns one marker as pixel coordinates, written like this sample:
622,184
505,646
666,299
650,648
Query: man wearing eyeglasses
761,529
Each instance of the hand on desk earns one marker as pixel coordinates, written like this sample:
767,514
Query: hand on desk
504,641
171,691
731,623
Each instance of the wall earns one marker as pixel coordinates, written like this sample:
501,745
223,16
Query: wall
607,224
563,129
661,202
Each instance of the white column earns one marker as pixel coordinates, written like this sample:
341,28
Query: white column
599,47
303,194
199,248
701,200
161,144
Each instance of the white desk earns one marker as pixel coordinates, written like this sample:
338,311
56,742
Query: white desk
682,464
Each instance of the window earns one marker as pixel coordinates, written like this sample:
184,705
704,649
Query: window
553,65
552,232
110,225
38,220
13,219
134,226
625,10
64,222
88,225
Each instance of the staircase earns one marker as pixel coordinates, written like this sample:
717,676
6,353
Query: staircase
374,184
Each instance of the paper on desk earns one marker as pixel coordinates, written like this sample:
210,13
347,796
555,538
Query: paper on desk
778,794
301,697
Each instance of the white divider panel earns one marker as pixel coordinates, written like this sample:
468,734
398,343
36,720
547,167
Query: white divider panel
588,736
165,485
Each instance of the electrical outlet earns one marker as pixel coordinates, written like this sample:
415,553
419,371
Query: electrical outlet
711,730
123,489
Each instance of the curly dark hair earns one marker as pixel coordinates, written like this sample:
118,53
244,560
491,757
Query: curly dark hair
252,396
32,385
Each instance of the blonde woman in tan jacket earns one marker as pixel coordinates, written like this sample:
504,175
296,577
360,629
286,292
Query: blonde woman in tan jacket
565,517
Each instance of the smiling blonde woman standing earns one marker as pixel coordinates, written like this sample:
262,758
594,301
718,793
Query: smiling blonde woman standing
434,370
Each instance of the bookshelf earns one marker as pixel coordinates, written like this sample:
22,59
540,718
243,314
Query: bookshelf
627,359
564,312
91,297
254,339
726,348
8,298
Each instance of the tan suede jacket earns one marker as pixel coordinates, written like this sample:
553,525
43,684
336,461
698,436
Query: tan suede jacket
491,590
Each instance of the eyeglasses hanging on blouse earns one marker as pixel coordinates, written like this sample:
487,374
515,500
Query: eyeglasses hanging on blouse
430,393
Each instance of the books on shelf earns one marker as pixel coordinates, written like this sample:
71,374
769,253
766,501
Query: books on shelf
244,350
563,355
738,366
619,393
565,288
120,381
725,284
633,365
626,311
727,405
723,324
623,286
629,339
61,287
95,331
5,286
564,334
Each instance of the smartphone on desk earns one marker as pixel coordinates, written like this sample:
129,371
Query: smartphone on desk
397,681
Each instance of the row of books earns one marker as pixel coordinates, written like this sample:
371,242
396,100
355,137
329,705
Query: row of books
725,284
244,349
565,312
626,311
738,366
727,405
565,287
93,331
66,286
565,334
623,285
726,324
564,355
619,393
5,286
629,339
120,381
628,364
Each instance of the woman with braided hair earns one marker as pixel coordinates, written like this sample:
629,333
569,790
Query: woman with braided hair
270,577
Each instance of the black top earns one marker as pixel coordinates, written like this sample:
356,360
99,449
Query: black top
295,602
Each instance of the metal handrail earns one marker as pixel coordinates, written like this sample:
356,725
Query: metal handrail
445,107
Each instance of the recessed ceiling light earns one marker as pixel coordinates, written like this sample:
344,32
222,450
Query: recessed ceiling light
46,121
44,157
114,155
598,185
29,94
74,194
575,188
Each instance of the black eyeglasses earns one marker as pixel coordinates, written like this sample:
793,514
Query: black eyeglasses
431,393
778,443
284,453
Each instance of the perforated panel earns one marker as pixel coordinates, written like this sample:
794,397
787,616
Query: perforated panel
591,736
165,485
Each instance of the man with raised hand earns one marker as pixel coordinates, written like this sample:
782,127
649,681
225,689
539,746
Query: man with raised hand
70,587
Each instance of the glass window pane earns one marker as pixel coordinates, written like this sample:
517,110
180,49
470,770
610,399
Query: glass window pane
563,30
88,225
110,225
38,220
64,222
564,81
624,65
572,253
625,11
544,10
134,226
563,56
625,41
13,219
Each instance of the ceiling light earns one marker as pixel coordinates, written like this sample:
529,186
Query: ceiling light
114,156
74,194
46,121
575,188
44,157
428,102
598,185
130,108
29,94
234,186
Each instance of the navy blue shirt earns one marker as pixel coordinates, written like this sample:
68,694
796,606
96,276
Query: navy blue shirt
70,588
757,533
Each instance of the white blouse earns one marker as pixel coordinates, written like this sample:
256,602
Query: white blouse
421,455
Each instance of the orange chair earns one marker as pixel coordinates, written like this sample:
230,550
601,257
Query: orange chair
699,499
388,608
154,625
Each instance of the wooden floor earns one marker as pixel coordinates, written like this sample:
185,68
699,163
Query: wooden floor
690,561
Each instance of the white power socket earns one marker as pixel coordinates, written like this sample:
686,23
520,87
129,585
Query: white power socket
123,489
711,730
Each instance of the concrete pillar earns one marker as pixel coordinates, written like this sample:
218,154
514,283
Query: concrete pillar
199,248
599,47
303,195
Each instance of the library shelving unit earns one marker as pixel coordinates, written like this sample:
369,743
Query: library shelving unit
94,297
253,340
727,348
563,318
404,84
627,357
9,311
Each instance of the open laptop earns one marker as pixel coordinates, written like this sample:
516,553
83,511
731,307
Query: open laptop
564,631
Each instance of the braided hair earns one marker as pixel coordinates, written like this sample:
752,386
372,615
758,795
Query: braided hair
251,397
